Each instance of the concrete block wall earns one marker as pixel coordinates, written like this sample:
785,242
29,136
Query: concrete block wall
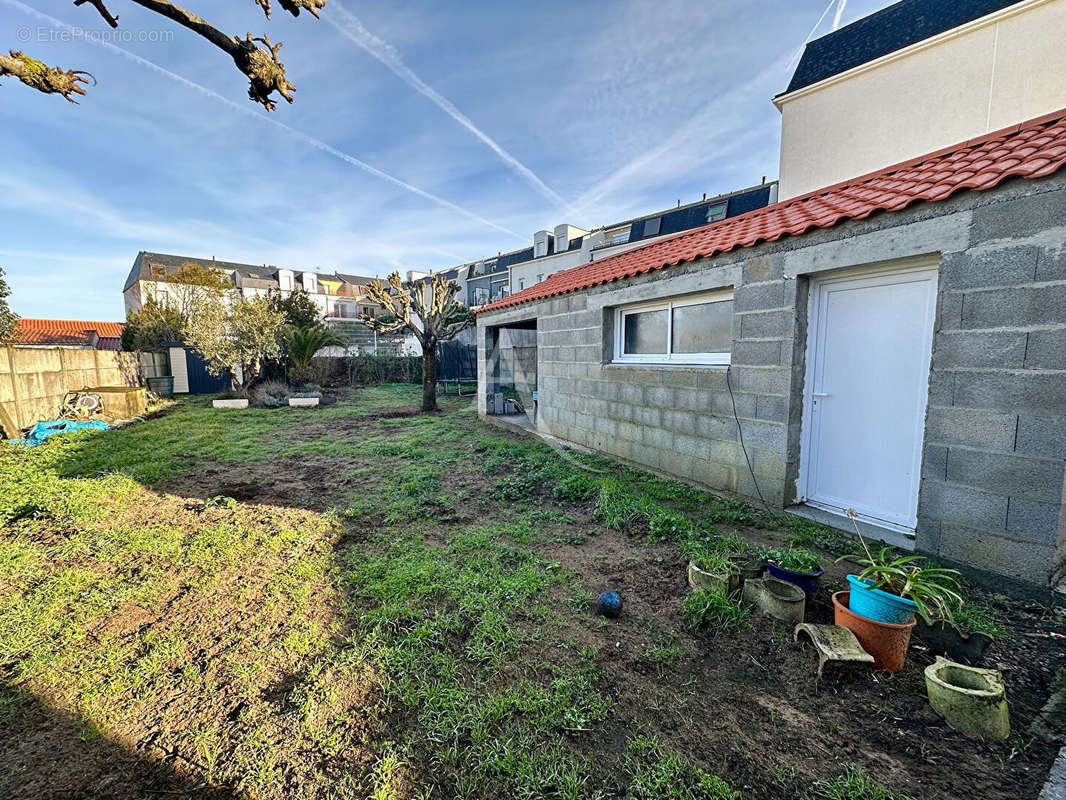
993,481
33,380
995,447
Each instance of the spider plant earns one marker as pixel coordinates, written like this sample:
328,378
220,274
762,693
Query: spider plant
934,590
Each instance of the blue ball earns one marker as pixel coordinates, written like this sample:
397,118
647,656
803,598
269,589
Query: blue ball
609,604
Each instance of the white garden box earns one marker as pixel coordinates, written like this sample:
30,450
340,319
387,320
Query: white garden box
241,403
303,402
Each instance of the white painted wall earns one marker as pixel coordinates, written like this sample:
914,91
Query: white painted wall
996,71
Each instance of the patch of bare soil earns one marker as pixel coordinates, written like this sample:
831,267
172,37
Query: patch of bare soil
745,702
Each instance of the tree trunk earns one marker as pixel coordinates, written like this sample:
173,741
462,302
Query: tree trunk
429,377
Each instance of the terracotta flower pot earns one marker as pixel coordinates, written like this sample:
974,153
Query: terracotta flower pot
887,643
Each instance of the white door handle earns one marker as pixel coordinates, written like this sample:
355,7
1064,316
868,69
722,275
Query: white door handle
819,394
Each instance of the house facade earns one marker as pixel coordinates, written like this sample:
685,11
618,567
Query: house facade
339,296
915,77
894,345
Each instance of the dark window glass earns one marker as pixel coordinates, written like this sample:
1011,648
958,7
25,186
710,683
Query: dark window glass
703,328
645,333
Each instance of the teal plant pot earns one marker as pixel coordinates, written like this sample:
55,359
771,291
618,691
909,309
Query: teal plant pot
879,605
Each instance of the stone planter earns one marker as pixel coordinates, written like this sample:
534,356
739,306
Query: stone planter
972,701
780,599
945,640
887,643
303,402
723,584
241,403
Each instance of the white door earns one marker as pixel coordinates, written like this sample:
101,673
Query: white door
869,346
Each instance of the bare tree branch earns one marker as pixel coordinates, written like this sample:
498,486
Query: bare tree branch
293,6
39,76
99,6
263,68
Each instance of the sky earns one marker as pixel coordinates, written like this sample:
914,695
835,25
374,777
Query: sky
424,134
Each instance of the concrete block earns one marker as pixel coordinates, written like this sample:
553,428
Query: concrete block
662,396
711,379
772,407
949,310
758,296
1047,348
1051,264
746,404
1019,217
1038,393
765,325
761,380
716,426
770,435
935,462
679,421
713,475
997,266
762,268
1013,474
690,399
679,378
1027,561
1017,307
661,438
927,535
979,349
971,427
1042,436
963,505
757,353
1034,521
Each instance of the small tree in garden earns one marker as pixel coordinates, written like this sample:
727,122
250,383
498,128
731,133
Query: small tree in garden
150,327
299,309
242,334
9,320
429,311
299,346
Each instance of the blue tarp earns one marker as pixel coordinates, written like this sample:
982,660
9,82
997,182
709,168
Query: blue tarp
42,430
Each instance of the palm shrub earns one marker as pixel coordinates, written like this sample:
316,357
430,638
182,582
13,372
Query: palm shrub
934,590
300,343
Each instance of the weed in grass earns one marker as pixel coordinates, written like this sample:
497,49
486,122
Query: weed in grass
617,506
576,488
714,611
727,510
977,617
656,774
668,525
806,533
853,784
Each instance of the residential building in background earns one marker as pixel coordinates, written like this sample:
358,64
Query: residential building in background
913,78
69,333
488,279
340,296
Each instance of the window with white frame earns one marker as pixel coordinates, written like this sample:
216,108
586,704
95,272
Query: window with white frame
692,329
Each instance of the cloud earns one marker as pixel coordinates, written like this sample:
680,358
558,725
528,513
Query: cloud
292,132
352,29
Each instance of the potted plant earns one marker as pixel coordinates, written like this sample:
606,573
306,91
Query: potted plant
893,589
309,396
711,569
797,565
886,642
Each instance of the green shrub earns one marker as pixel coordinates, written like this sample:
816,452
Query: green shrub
271,394
713,610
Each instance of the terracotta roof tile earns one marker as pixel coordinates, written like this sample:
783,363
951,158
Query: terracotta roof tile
1033,149
66,331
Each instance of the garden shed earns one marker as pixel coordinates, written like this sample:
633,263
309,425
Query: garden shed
894,345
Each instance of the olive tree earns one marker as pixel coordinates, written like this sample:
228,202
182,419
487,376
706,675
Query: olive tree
235,337
428,310
265,72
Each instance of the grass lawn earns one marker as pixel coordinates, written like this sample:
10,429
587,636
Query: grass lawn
356,601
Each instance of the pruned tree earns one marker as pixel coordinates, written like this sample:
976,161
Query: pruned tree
9,320
235,338
265,71
429,311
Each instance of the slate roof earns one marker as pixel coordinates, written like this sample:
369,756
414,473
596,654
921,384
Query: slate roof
71,333
884,32
1032,149
259,272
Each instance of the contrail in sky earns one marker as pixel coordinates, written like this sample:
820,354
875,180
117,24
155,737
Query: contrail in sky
352,29
839,13
318,144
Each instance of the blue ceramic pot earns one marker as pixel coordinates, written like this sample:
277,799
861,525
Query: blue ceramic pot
879,605
807,581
